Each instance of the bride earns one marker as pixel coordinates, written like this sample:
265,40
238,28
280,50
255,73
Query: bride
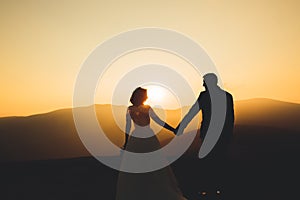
157,185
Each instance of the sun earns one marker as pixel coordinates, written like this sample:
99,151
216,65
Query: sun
155,93
159,96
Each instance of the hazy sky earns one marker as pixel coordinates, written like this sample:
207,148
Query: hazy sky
254,44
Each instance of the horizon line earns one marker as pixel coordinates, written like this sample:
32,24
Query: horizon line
65,108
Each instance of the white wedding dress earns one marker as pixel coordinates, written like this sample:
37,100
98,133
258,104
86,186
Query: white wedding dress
156,185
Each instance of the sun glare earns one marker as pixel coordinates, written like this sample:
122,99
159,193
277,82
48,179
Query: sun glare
155,93
159,96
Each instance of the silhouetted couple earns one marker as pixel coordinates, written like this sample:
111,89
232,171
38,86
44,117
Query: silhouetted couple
161,184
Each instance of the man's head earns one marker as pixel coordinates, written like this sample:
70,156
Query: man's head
210,79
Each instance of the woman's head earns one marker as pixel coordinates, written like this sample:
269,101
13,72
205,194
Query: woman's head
139,96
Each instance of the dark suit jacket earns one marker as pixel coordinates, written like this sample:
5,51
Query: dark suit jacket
203,103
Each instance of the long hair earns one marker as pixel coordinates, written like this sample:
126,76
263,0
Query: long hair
139,96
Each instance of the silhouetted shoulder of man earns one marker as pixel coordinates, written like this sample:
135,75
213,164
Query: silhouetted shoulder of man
203,103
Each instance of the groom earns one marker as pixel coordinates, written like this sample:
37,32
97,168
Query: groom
215,161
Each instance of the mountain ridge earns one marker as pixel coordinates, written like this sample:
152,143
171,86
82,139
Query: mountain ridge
53,135
236,101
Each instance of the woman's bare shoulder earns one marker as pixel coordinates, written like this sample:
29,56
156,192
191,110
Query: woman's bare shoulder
147,106
139,108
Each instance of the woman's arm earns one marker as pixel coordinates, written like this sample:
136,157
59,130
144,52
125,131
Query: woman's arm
127,128
154,116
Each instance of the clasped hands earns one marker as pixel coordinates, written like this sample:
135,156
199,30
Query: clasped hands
176,130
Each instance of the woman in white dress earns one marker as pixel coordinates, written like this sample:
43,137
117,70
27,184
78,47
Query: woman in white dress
157,185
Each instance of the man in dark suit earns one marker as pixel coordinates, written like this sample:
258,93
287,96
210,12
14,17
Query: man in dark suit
212,168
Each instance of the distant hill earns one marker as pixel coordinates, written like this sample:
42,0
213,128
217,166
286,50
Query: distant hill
53,135
268,112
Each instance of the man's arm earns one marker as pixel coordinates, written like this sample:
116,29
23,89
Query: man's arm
188,117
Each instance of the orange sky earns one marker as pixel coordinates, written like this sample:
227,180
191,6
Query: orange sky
255,45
